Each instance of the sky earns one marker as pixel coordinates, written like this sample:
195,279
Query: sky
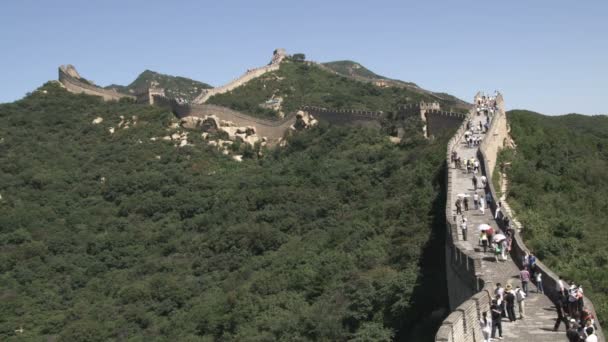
545,56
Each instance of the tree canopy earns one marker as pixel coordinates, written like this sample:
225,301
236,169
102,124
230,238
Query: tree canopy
118,237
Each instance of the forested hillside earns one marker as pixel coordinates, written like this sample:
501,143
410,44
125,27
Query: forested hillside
558,185
302,84
116,237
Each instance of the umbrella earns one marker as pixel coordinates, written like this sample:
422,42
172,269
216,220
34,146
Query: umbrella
484,227
498,237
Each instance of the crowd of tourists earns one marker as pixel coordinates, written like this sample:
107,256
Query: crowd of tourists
578,320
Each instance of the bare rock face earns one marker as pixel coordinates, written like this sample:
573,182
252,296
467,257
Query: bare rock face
98,120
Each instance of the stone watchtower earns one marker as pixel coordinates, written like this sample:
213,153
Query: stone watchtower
278,55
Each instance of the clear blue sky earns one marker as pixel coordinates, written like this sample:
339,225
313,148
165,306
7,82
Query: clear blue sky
547,56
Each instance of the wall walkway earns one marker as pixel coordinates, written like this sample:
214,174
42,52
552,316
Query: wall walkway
470,289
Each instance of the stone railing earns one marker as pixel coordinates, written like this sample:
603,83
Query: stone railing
487,157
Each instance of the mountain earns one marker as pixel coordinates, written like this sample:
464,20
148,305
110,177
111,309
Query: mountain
359,72
298,84
108,232
175,86
558,182
352,69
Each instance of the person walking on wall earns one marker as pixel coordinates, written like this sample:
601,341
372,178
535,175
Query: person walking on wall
483,240
496,320
486,326
538,276
465,201
524,276
561,316
510,302
474,179
520,296
476,200
458,206
463,227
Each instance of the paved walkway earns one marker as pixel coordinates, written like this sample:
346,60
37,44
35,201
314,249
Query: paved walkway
537,326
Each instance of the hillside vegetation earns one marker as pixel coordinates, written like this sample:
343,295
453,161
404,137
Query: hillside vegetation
301,84
117,237
175,86
558,186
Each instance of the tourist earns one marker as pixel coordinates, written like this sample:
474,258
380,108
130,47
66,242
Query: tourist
483,241
463,227
474,180
476,166
465,201
488,196
573,299
525,260
484,181
524,276
458,206
510,302
538,277
482,207
532,261
572,333
476,200
503,249
591,337
486,326
497,252
561,287
520,295
496,320
561,316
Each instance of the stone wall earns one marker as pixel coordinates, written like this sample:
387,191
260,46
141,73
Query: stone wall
76,85
435,120
468,293
248,76
277,57
346,117
273,130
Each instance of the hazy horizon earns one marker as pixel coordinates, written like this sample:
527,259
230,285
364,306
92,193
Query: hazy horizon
545,56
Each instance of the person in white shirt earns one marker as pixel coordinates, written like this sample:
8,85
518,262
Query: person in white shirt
591,337
486,326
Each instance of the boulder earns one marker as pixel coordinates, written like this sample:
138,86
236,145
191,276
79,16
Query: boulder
210,124
226,123
251,140
212,143
167,138
111,129
98,120
231,131
190,122
238,158
183,143
175,136
395,140
204,135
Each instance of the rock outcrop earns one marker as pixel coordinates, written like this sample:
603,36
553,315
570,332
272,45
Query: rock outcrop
303,121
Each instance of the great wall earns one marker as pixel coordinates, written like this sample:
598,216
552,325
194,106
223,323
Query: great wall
435,120
471,274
